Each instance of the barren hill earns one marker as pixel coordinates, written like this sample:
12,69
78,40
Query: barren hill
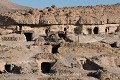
100,14
7,5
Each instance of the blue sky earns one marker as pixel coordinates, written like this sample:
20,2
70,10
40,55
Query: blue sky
62,3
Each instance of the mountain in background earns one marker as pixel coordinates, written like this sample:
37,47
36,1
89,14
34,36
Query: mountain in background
7,6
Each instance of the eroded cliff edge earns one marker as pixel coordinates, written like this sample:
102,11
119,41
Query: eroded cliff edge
100,14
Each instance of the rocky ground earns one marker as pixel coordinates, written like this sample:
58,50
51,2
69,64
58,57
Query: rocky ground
49,57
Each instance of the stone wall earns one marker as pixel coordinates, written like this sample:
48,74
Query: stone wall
101,29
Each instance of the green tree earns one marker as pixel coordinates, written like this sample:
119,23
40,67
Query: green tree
53,6
78,31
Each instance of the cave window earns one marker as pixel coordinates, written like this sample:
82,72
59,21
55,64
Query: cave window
55,48
28,36
65,29
61,35
107,30
89,31
20,27
114,45
89,65
46,67
8,67
1,72
16,69
96,29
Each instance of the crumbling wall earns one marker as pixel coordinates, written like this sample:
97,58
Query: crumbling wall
13,37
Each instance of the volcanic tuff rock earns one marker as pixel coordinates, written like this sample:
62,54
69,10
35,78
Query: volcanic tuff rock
100,14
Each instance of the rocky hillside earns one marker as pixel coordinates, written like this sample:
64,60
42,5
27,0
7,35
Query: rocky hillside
7,6
100,14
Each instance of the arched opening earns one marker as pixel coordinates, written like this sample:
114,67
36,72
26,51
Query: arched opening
28,36
46,67
8,67
96,30
107,30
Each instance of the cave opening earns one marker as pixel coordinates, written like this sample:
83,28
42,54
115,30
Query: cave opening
8,67
94,74
107,30
89,65
16,69
96,30
46,67
62,35
28,36
65,29
114,45
55,48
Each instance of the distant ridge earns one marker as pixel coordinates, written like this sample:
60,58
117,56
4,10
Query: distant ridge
117,4
7,6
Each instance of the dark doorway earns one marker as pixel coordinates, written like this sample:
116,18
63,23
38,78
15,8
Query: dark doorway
65,29
96,30
8,67
45,67
28,36
94,74
55,48
16,69
62,35
107,30
1,72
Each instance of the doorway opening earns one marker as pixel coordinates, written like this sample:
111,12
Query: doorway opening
46,67
28,36
96,30
55,48
8,67
107,30
16,70
65,29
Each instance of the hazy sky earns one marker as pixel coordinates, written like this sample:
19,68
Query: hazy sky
62,3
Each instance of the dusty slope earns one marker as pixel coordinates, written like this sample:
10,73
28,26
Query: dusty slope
100,14
7,5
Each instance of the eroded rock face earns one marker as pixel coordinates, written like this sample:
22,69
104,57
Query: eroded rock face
102,14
